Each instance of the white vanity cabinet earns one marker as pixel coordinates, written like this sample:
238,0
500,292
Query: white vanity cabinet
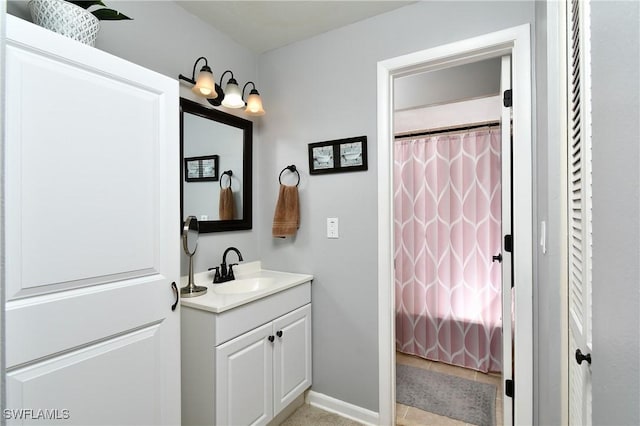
261,372
244,365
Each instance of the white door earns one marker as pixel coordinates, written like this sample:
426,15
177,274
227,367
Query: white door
92,212
292,357
507,296
579,209
244,378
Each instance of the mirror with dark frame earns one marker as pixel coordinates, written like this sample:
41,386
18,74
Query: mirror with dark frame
215,168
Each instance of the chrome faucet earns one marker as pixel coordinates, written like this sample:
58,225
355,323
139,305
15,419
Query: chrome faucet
224,274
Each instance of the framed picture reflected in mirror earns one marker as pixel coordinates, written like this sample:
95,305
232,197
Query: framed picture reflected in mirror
201,169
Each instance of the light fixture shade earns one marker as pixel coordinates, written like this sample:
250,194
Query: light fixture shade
232,95
205,84
254,104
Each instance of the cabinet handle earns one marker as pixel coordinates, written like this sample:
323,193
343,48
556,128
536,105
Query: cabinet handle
174,287
271,339
279,333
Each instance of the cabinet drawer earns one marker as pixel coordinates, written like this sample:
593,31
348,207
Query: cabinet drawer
237,321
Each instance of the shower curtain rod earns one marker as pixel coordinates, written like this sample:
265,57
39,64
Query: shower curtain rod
448,130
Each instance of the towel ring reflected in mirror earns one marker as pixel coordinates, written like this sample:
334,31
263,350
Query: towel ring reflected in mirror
293,169
228,173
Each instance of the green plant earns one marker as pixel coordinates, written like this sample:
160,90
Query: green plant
103,13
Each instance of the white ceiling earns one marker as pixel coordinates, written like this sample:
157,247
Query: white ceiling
265,25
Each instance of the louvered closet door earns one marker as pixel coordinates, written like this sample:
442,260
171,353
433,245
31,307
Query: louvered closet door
579,210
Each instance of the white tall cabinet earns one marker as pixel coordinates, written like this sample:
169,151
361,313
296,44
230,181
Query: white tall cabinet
91,244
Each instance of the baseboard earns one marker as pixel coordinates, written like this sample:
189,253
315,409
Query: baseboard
342,408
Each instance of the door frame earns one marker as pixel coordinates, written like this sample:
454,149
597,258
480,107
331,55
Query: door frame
506,216
513,41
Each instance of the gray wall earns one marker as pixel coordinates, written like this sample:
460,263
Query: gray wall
547,266
475,80
616,212
165,38
325,88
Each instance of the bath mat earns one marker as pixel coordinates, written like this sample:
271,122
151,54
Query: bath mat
450,396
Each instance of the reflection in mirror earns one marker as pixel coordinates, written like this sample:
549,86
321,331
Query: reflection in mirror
190,236
203,137
190,233
215,181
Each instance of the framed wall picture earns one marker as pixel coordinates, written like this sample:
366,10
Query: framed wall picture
340,155
201,169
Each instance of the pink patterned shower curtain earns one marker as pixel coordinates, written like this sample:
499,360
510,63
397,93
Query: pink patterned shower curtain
447,203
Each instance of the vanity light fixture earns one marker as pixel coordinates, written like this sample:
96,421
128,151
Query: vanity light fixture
205,84
254,102
231,96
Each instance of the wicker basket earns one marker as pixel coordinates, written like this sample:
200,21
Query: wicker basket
65,18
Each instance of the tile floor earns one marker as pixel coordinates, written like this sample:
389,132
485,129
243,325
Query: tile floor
307,415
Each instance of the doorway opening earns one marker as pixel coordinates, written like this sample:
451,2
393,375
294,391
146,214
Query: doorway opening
512,43
448,227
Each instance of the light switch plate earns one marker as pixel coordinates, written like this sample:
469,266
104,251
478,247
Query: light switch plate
332,227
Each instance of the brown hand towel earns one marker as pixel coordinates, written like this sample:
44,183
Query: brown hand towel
286,219
226,208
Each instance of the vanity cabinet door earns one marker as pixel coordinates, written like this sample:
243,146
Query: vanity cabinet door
292,358
244,382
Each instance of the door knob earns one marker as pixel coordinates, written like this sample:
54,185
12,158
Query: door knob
271,338
582,357
497,258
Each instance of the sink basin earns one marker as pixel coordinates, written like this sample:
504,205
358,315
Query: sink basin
247,285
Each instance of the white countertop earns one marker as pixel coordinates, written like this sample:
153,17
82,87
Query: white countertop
217,303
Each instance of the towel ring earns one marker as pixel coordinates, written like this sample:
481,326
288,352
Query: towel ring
228,173
292,168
